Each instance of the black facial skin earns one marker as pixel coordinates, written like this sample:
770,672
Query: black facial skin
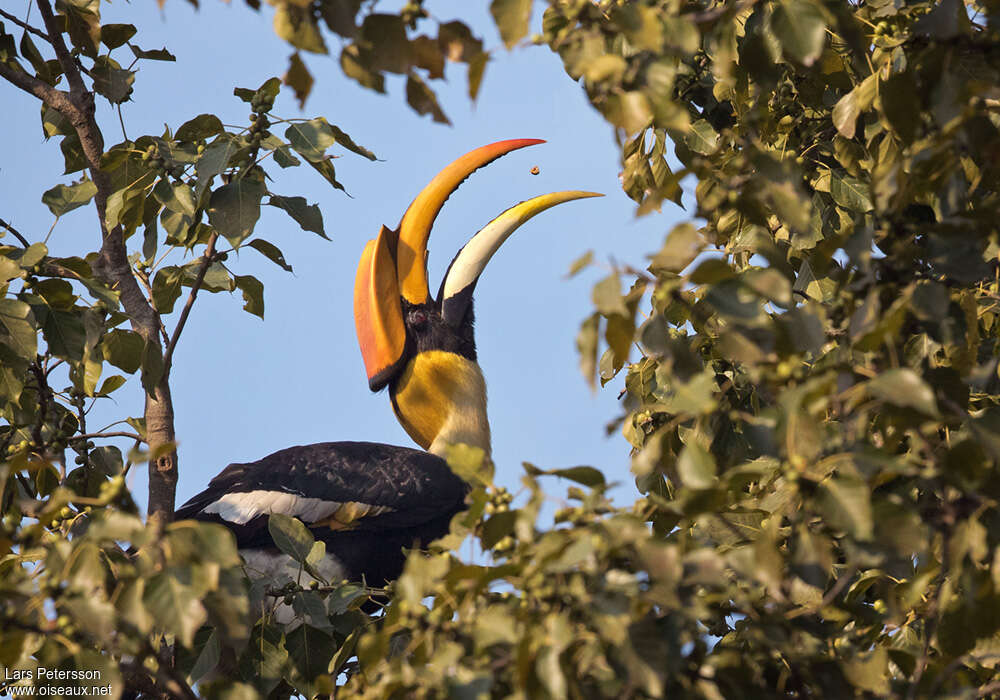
426,330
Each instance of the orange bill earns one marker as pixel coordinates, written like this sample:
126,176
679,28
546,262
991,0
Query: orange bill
378,314
415,227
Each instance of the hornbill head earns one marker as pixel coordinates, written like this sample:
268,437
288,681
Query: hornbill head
424,349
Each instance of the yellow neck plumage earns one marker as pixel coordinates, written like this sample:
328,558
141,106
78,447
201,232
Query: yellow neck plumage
440,399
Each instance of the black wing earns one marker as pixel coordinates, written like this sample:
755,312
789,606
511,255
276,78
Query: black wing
365,500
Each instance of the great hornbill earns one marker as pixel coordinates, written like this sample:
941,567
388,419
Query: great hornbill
367,501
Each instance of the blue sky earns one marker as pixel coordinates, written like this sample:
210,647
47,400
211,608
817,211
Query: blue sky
243,387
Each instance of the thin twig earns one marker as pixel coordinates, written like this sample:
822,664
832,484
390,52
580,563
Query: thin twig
124,434
25,26
24,241
206,260
122,122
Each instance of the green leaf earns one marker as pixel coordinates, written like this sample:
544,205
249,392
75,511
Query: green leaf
296,25
112,81
123,349
108,458
207,661
17,324
497,527
702,138
115,381
215,159
384,35
65,198
33,255
588,476
477,69
176,197
682,246
846,504
167,288
200,127
801,28
309,608
470,463
284,158
580,263
311,138
290,536
696,467
427,54
55,124
253,294
607,297
83,23
423,100
326,169
153,55
850,193
851,105
586,345
298,78
30,51
271,252
512,18
344,140
900,100
234,209
308,216
73,155
356,65
904,387
115,35
174,605
65,334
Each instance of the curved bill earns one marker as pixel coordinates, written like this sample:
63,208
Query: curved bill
460,280
415,226
378,313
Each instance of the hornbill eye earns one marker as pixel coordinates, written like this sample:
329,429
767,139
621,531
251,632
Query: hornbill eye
417,319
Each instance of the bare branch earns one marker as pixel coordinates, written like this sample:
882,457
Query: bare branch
25,26
24,241
124,434
206,260
42,90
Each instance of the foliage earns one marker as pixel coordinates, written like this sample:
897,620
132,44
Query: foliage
85,584
814,412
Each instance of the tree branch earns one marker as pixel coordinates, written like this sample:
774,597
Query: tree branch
25,26
16,233
113,268
57,99
124,434
70,67
206,260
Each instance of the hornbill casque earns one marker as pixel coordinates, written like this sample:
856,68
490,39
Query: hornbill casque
368,501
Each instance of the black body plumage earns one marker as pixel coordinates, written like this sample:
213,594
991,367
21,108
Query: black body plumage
416,492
